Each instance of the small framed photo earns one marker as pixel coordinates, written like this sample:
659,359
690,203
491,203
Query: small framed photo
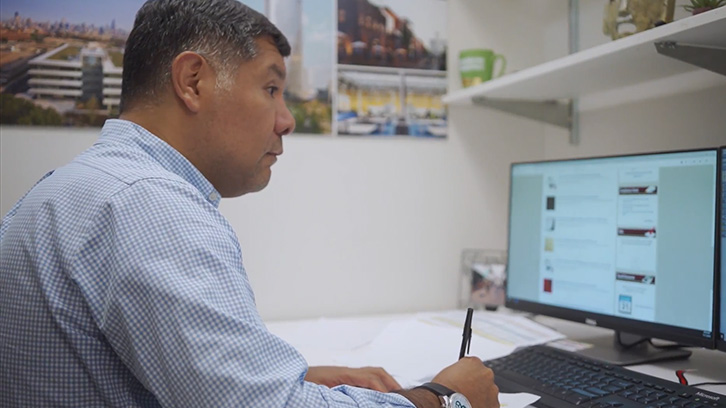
482,278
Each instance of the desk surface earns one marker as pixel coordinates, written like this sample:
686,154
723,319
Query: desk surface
325,348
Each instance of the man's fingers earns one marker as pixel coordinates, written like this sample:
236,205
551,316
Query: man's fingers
375,383
388,380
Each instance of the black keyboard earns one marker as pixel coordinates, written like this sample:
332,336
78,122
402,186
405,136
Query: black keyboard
564,379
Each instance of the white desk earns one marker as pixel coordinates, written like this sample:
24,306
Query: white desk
314,339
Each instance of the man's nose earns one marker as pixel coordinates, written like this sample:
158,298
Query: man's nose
285,122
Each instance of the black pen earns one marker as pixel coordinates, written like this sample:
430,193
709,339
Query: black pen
466,336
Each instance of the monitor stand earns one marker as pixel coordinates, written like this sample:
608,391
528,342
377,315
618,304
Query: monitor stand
610,350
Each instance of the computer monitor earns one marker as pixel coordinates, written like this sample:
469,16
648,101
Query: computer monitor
622,242
721,337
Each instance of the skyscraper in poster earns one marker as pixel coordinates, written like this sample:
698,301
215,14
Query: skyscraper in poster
287,15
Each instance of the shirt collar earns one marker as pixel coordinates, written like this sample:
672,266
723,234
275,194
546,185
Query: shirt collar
130,133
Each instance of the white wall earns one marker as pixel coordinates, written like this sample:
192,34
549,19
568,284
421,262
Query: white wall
371,225
352,226
27,153
684,121
347,226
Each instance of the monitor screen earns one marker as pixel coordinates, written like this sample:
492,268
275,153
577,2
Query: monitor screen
722,335
623,242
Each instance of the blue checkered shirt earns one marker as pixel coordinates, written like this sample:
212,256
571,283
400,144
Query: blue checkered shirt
122,285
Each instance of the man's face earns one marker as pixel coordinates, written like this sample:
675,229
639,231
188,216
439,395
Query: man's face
246,123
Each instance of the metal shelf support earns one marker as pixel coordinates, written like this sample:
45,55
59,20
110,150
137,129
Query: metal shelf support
559,113
552,112
706,57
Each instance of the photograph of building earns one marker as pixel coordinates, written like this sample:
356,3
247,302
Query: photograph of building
376,103
309,27
392,33
61,62
391,68
76,78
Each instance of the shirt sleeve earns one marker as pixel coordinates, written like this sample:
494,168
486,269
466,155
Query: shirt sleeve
176,305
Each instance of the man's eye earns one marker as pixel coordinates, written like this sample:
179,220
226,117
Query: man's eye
272,90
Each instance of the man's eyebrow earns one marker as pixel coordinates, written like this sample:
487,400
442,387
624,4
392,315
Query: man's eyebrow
274,68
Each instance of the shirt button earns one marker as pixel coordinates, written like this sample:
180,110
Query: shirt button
213,196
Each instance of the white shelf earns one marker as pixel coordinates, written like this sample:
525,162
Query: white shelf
623,70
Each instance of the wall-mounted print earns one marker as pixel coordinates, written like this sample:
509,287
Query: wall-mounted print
61,61
309,26
391,68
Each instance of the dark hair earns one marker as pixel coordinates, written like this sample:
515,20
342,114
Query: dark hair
223,31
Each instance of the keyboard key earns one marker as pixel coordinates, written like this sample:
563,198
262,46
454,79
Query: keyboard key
597,391
626,394
623,384
677,401
584,393
577,399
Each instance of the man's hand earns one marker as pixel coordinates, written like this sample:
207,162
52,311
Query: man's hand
374,378
470,377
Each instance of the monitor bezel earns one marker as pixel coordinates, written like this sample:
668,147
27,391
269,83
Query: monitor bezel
688,337
721,272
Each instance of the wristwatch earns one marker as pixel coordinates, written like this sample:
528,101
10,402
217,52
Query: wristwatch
448,397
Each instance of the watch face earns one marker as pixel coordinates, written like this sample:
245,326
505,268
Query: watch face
457,400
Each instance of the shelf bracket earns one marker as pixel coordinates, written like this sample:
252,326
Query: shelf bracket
707,57
552,112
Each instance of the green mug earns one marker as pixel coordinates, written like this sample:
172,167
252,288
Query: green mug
477,66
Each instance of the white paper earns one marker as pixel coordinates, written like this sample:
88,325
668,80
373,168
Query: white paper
569,345
504,328
414,350
323,341
519,400
337,334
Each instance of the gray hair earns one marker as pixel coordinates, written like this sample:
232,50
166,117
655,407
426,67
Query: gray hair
222,31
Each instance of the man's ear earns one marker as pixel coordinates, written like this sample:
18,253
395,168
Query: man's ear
191,78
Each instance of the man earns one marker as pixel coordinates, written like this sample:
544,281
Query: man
121,284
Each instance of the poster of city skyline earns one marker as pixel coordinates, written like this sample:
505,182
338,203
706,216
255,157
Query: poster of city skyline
61,62
391,72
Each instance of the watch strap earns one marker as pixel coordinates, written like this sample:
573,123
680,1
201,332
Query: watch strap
437,389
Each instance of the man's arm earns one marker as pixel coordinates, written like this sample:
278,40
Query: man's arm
180,312
421,398
373,378
467,376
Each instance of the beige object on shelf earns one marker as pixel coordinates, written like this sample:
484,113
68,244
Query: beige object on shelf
640,15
